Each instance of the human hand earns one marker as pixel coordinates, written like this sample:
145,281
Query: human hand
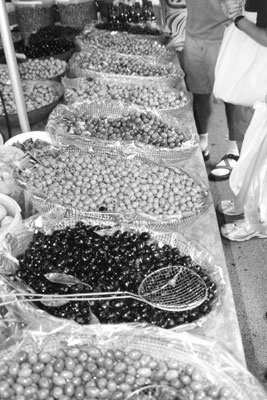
232,8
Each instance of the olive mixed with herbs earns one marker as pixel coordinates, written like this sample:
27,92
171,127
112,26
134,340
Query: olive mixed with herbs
143,126
31,145
92,372
154,97
109,62
106,262
113,183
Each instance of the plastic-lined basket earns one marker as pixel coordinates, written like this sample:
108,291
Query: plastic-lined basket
158,96
99,63
124,43
63,117
198,255
40,113
196,360
104,155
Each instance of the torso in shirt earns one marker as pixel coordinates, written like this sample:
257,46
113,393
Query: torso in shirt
205,19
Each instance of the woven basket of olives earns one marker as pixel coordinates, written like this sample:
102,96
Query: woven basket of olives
163,98
97,62
128,360
37,69
40,97
108,267
117,124
123,43
117,183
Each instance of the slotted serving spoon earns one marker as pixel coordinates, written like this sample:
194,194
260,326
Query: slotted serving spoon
174,288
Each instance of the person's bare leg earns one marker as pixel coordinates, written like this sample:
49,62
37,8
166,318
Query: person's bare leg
224,168
202,111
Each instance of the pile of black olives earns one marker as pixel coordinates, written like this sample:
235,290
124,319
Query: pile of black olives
53,32
46,48
106,262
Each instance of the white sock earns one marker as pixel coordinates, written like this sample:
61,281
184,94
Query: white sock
203,141
232,148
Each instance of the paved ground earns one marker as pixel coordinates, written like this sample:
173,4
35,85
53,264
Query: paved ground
247,263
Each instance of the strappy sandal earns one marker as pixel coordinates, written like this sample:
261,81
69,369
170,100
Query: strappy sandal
225,165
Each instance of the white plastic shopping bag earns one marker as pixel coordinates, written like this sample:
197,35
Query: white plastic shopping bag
240,73
248,180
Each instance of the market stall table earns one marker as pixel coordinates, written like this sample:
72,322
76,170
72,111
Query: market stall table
204,230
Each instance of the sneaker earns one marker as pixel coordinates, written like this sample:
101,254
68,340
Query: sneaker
239,231
227,207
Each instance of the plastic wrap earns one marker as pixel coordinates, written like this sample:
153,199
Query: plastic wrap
169,101
60,120
43,203
169,72
49,223
34,115
29,67
124,43
216,369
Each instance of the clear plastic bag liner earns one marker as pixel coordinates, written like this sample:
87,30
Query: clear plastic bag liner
215,365
76,71
28,87
60,117
47,224
158,49
74,91
136,219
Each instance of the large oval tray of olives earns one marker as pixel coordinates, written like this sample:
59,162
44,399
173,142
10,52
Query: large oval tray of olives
105,257
115,123
134,363
95,62
157,96
117,183
40,97
122,43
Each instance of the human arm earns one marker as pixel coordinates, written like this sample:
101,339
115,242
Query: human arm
255,32
233,9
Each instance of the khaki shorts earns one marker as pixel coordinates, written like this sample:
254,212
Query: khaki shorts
199,60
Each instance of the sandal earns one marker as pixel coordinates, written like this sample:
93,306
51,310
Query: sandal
226,165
